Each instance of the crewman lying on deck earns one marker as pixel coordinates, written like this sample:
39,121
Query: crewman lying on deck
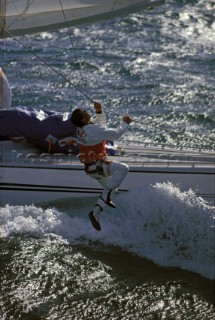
40,128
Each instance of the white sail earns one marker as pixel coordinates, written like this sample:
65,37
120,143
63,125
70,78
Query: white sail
29,16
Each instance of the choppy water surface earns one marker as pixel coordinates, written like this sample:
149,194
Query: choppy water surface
154,258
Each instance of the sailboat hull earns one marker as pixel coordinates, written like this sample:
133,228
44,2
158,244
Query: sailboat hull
27,179
22,17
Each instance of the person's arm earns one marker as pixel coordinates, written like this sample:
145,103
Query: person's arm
5,92
100,117
109,134
98,133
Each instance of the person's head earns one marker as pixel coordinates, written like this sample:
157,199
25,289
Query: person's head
80,117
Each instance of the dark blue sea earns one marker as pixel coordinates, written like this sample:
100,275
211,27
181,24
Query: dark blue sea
154,258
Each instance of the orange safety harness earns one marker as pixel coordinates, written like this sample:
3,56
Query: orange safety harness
93,158
89,154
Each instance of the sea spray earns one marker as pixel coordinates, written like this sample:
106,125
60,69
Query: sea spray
161,223
28,220
170,227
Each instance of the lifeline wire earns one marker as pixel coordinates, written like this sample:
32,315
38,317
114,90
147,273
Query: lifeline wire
94,41
47,64
23,12
99,31
73,47
171,131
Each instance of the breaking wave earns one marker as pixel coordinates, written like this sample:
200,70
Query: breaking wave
161,223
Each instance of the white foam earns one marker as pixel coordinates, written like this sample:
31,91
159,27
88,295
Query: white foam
167,226
160,223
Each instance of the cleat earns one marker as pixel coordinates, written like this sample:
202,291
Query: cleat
95,223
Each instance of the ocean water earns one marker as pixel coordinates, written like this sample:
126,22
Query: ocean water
154,258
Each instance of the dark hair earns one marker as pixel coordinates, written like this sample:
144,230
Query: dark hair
76,117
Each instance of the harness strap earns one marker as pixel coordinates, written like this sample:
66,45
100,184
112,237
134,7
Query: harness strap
98,167
50,146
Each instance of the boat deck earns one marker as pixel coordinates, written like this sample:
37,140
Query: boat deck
133,155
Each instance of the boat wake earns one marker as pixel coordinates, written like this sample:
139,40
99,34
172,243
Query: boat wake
161,223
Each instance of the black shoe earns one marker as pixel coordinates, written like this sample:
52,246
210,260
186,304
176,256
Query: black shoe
108,200
94,222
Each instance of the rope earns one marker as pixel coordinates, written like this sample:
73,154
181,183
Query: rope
171,131
73,47
47,64
19,15
94,41
99,31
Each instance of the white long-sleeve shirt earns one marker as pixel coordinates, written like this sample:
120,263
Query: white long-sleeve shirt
96,132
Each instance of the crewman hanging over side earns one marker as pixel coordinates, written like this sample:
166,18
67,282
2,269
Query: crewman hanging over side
92,136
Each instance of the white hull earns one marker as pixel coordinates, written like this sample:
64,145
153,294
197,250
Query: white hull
47,178
21,17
